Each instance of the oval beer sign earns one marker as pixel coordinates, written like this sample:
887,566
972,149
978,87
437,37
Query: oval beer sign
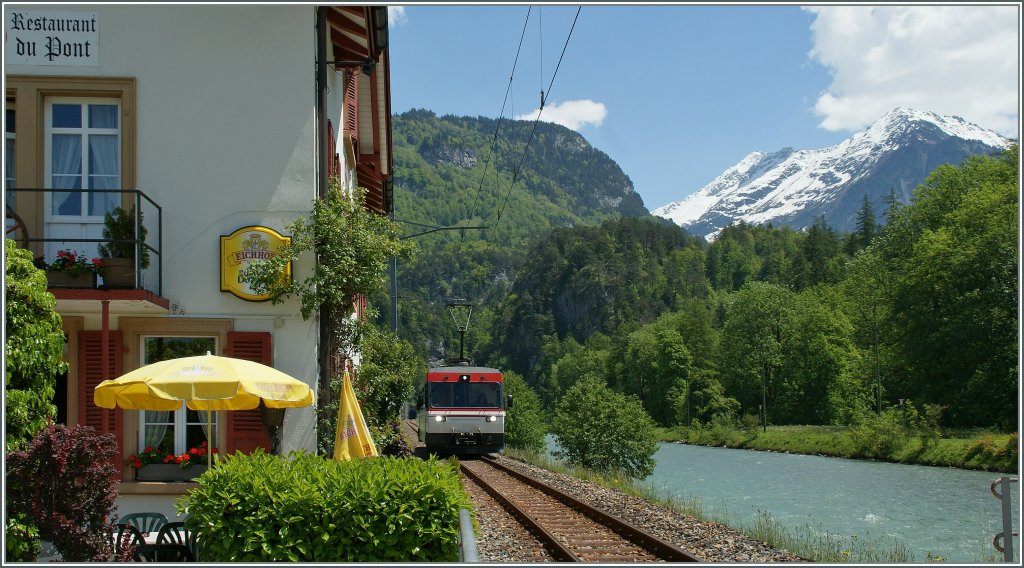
240,248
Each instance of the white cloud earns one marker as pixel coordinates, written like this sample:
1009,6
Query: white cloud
396,16
570,114
954,60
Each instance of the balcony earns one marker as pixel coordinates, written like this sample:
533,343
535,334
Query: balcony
47,221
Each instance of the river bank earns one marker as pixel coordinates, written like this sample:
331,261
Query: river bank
976,450
822,508
814,546
499,540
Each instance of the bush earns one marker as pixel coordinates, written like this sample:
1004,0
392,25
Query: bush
727,430
33,345
997,452
21,539
390,441
303,508
524,420
65,483
751,424
387,371
928,425
119,236
881,435
604,431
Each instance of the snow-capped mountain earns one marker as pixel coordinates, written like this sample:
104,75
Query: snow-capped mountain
793,187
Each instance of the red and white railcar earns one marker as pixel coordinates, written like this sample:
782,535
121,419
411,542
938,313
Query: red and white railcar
461,410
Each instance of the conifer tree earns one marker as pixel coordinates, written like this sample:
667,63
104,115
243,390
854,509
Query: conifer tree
867,226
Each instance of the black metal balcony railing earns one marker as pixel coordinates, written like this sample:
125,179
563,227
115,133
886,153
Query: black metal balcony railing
35,221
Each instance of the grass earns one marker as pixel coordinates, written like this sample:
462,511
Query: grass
822,546
805,542
974,449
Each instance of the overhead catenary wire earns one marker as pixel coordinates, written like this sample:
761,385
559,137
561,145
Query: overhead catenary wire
508,93
544,96
540,38
494,149
497,126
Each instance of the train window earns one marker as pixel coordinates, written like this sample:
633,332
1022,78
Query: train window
464,395
440,395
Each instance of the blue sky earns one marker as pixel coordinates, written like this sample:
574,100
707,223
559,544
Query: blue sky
678,93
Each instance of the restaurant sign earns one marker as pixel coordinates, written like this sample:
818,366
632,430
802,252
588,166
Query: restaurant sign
240,248
45,37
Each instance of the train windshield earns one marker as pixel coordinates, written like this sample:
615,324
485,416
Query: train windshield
464,395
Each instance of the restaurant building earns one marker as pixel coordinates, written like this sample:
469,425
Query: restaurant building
210,127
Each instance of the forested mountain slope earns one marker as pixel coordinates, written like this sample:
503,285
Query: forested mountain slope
454,171
572,278
815,326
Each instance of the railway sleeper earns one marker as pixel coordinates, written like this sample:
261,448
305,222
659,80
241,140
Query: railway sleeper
666,550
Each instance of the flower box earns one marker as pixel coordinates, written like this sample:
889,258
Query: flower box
60,279
168,472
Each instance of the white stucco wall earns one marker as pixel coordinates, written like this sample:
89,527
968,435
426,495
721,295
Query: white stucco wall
225,130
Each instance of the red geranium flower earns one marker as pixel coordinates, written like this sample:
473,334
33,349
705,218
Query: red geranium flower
69,261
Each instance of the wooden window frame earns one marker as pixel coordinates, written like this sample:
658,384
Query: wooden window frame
134,329
84,132
179,417
29,94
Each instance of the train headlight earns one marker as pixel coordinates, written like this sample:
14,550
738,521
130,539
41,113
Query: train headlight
492,418
439,418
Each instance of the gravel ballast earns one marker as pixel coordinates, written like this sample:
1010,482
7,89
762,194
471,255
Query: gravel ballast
502,540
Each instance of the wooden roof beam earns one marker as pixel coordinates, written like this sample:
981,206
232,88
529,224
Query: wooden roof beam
344,23
346,48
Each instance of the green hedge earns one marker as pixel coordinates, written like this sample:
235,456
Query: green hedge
304,508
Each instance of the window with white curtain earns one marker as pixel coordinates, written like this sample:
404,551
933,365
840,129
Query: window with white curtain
83,151
183,429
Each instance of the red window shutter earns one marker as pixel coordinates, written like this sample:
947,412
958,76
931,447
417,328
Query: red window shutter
351,105
245,429
90,374
331,152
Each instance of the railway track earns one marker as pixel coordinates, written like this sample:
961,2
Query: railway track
572,531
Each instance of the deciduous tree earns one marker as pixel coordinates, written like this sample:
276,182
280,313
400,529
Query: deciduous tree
34,348
604,431
524,420
387,373
65,481
956,302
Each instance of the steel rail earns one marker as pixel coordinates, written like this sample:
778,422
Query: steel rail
661,548
550,541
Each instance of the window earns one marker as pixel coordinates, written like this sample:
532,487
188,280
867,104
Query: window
103,108
30,98
83,151
182,429
464,395
9,153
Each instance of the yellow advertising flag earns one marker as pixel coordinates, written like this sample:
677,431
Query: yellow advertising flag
352,439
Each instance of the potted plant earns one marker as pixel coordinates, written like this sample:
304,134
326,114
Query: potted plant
70,270
155,464
118,252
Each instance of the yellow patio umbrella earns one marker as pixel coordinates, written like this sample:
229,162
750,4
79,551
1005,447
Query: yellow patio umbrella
205,382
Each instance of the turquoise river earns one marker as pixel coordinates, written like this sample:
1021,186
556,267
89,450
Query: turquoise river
934,512
944,512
